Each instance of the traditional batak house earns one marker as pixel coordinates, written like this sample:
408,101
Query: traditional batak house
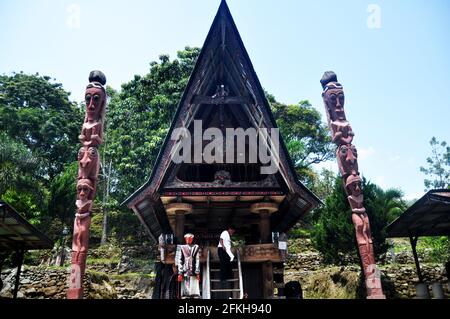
202,197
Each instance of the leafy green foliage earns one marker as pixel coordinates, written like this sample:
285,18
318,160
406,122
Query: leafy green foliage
438,247
63,193
299,233
334,233
306,137
30,204
438,166
19,168
323,183
139,117
20,184
38,113
39,127
95,232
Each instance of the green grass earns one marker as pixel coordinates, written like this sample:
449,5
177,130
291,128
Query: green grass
57,267
102,261
132,275
435,249
300,233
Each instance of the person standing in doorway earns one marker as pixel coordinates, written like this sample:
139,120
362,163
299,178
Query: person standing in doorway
225,254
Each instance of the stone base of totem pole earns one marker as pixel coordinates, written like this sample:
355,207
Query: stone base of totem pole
75,290
75,293
374,289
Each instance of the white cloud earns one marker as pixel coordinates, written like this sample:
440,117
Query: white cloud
364,153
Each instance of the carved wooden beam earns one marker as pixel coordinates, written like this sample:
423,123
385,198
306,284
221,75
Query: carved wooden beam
249,253
203,99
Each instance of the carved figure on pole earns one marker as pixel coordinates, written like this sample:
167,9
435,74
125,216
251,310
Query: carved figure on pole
85,190
347,157
88,163
88,168
360,219
95,97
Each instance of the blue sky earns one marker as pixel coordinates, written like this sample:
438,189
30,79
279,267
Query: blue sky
395,69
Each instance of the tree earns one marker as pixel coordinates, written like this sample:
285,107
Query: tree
19,168
334,234
38,113
438,166
139,118
39,130
20,184
307,138
323,183
137,121
63,194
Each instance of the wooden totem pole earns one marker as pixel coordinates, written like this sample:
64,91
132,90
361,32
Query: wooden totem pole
347,157
88,168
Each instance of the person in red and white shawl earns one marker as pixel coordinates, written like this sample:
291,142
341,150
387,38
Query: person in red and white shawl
187,260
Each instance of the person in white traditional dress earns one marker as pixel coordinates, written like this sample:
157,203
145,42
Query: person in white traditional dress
187,260
225,254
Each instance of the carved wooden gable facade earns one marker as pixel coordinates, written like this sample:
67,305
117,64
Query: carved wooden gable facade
223,92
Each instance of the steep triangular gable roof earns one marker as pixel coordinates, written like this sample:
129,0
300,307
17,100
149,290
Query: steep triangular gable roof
223,33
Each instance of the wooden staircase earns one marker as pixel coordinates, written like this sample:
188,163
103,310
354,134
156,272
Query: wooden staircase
214,288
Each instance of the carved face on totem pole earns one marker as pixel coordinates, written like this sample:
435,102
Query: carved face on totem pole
95,100
353,186
88,162
334,100
347,157
85,190
342,132
95,96
333,96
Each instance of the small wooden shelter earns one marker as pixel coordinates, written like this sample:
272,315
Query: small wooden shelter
18,235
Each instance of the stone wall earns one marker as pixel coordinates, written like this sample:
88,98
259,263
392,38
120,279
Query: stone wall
399,278
129,278
35,282
402,278
51,283
308,261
